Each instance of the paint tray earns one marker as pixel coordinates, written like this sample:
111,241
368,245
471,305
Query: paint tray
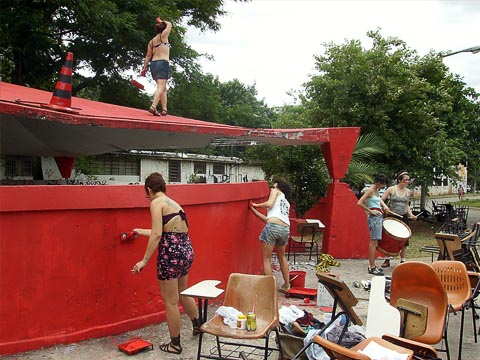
134,346
301,292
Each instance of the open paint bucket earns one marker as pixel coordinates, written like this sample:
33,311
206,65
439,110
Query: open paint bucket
297,278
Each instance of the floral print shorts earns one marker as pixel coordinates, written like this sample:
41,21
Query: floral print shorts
175,256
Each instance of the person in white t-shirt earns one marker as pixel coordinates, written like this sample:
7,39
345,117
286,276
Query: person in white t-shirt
277,229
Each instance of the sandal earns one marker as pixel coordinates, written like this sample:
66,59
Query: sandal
153,111
170,348
163,112
386,263
196,327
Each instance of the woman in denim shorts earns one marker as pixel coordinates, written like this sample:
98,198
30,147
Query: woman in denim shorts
277,229
158,54
373,205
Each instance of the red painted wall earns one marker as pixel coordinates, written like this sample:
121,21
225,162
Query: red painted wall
347,236
65,275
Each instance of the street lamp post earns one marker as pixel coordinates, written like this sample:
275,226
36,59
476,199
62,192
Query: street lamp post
472,50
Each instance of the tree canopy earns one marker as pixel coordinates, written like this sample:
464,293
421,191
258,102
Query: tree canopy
414,104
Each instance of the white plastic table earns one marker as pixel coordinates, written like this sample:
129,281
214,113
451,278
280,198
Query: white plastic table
203,291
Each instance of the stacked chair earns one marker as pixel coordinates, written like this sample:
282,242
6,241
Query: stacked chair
455,279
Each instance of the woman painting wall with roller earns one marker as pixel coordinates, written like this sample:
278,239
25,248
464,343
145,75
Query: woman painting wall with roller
158,56
277,228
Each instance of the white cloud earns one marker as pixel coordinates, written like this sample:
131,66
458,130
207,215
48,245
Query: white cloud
272,42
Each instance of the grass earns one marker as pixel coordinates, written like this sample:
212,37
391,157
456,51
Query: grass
469,202
422,234
423,230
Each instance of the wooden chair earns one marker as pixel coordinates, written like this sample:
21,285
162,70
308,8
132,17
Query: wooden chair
400,345
245,293
417,282
450,246
306,241
470,243
454,278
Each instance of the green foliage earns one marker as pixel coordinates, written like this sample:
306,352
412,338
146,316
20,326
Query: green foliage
204,97
364,164
302,166
420,110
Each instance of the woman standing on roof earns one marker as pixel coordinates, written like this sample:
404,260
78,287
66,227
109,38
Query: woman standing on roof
158,55
169,233
277,229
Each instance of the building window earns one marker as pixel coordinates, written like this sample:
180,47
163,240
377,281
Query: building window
109,164
18,166
219,169
199,167
174,171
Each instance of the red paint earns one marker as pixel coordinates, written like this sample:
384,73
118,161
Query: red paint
65,165
346,234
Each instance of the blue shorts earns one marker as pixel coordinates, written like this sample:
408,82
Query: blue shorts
375,226
274,234
160,69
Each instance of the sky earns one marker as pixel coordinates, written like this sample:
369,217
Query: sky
272,43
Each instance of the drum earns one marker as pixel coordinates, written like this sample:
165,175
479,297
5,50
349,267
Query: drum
394,236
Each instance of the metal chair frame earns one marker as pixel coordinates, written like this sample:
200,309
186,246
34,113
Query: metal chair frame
245,292
307,232
454,278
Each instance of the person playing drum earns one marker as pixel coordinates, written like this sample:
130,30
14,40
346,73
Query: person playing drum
373,205
399,196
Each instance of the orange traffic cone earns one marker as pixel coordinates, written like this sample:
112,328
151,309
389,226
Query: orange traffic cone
62,95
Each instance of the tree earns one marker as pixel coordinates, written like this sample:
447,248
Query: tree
412,103
302,166
205,97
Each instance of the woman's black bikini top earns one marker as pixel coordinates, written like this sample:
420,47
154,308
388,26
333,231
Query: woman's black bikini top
167,218
161,44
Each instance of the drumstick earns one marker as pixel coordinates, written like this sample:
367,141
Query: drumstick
394,213
421,213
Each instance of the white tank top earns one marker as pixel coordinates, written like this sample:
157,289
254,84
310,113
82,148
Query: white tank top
280,209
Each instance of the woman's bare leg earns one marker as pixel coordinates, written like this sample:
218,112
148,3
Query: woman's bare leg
170,293
187,302
267,258
284,267
160,94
